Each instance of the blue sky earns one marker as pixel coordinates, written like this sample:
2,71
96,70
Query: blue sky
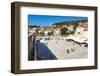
47,20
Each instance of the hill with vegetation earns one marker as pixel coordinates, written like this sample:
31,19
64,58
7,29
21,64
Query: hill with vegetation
69,22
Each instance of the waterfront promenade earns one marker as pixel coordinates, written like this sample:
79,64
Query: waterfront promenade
60,48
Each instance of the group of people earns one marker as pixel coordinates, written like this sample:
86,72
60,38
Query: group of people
70,50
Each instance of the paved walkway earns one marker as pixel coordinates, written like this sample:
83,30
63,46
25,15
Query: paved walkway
67,50
61,49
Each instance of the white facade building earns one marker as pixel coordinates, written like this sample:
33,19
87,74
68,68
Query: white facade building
81,32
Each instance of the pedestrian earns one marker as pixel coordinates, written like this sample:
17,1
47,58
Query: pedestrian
68,51
72,50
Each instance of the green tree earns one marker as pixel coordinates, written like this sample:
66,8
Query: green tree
50,33
64,31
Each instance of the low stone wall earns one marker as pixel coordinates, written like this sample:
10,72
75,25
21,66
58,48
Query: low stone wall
31,47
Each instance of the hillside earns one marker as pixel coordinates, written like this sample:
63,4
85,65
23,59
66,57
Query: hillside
70,22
